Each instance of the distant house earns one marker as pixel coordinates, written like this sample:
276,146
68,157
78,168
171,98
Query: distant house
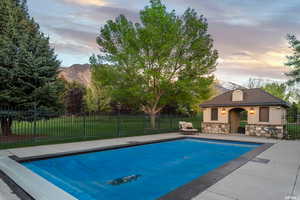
264,113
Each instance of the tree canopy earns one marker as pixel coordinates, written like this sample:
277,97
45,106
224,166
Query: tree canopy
97,98
294,60
73,98
161,60
28,65
280,90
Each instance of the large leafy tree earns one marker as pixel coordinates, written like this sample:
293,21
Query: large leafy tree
97,98
28,65
163,59
294,60
280,90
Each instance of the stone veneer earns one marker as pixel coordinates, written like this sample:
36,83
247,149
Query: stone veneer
251,129
259,130
208,127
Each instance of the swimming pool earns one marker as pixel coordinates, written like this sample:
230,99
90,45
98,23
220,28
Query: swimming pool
140,172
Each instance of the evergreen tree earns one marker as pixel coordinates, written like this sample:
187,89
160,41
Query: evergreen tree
294,60
28,65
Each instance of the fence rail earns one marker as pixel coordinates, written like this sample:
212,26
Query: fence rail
36,127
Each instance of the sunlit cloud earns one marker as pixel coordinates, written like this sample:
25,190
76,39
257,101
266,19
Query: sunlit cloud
274,58
243,57
243,22
88,2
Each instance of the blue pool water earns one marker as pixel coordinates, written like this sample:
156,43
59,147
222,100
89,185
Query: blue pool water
142,172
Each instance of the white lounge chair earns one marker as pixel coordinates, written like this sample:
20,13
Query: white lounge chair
187,128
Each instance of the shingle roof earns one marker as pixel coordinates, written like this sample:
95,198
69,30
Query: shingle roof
252,97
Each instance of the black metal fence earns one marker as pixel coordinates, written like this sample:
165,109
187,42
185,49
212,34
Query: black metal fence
293,125
25,127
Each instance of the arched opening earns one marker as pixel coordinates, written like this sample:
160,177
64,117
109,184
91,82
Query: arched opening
238,118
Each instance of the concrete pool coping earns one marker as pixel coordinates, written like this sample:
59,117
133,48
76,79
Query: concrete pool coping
44,150
31,183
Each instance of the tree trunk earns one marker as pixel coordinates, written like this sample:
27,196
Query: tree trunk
152,112
152,120
6,124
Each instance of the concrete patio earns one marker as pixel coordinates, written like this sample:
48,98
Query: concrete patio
274,180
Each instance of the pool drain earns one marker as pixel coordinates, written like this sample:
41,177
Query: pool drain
125,179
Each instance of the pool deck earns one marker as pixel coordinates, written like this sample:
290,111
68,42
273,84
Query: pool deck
274,180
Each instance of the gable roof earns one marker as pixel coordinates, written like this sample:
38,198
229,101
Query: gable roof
251,97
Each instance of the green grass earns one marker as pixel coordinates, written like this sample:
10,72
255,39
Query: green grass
293,131
72,129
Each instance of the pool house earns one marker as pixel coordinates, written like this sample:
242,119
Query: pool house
252,112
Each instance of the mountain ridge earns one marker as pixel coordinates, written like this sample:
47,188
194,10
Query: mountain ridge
81,73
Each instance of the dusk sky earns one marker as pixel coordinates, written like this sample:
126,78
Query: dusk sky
250,35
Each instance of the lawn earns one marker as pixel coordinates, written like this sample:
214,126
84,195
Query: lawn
293,130
68,129
79,128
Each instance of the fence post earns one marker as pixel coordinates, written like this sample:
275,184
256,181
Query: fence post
34,121
118,126
159,118
171,122
285,125
144,123
84,126
119,107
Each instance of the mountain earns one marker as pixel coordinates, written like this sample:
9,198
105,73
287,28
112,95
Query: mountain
219,88
82,74
77,73
230,85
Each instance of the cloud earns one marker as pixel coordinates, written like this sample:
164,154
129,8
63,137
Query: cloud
237,59
101,14
241,74
77,36
70,48
242,53
273,58
249,35
242,22
87,2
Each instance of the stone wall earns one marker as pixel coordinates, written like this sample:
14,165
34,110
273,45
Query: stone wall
261,130
215,128
258,130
